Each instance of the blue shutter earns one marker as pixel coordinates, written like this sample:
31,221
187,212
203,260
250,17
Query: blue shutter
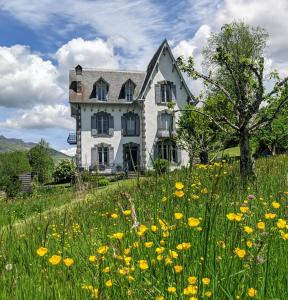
111,125
158,93
94,128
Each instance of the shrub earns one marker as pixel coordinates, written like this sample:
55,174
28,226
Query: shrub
65,171
161,166
103,182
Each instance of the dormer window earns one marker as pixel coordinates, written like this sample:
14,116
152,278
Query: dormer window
100,90
127,90
165,92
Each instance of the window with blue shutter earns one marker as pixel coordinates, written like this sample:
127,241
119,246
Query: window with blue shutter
130,124
102,124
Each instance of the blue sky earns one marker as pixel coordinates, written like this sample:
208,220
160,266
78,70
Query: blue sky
41,39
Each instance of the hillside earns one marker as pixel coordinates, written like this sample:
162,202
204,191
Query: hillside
12,144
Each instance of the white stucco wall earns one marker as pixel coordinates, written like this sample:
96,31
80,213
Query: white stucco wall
116,141
164,72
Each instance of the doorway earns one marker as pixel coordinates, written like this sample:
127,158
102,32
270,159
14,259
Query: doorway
131,156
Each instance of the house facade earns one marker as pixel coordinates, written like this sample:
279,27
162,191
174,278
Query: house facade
122,117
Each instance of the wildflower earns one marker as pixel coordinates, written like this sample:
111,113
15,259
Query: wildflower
164,199
42,251
208,294
248,229
159,257
127,212
251,292
114,216
159,298
238,217
284,236
168,260
163,225
194,197
221,244
173,254
179,194
106,270
192,279
142,229
92,258
193,298
103,249
179,186
143,265
231,216
270,216
178,216
249,244
165,234
148,244
183,246
275,204
240,252
171,289
190,290
251,197
159,250
281,223
206,280
118,235
244,209
68,262
204,191
261,225
109,283
55,259
178,268
193,222
154,228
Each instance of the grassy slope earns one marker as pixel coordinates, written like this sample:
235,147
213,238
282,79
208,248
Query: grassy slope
79,230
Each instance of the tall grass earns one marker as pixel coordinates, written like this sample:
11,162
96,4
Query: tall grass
141,270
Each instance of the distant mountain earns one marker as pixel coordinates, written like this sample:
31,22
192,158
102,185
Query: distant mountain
10,144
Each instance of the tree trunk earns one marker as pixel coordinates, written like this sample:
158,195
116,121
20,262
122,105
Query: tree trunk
273,150
246,160
204,159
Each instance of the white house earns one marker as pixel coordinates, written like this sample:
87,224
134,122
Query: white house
122,118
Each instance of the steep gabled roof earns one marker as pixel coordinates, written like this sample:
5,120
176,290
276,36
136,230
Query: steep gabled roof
152,65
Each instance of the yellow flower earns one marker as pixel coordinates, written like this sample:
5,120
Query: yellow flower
193,298
164,199
168,261
68,262
179,194
118,235
143,265
142,229
148,244
238,217
270,216
178,215
251,292
154,228
244,209
109,283
194,197
249,244
165,234
159,257
261,225
204,191
275,204
127,212
55,259
159,250
173,254
192,279
190,290
171,289
231,216
159,298
240,252
114,216
178,268
103,249
92,258
206,280
281,223
106,270
284,236
42,251
193,222
183,246
179,185
248,229
127,251
208,294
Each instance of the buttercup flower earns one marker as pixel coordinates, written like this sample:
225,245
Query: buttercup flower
92,258
109,283
42,251
127,212
251,292
171,289
248,229
55,259
68,262
179,186
178,268
179,194
275,204
206,280
281,223
192,279
240,252
261,225
193,222
103,249
178,216
143,265
118,235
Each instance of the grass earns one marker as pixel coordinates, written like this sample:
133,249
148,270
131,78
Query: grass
146,262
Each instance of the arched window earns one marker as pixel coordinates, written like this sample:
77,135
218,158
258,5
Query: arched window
100,90
167,149
102,124
127,90
130,124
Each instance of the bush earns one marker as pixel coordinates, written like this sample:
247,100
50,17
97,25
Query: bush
103,182
161,166
65,171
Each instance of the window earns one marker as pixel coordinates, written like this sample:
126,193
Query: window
130,124
78,87
102,124
166,93
166,149
129,89
100,90
166,121
103,156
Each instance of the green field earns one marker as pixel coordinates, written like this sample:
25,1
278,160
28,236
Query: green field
184,235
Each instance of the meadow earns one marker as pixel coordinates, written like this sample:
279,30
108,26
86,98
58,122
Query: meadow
189,234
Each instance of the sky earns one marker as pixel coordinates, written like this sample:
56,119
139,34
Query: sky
41,39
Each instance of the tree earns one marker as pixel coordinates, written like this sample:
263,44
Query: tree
65,171
235,62
11,166
41,161
196,133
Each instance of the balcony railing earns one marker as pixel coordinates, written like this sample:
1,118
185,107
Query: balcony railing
165,133
72,139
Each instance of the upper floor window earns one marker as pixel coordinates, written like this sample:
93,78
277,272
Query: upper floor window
102,124
130,124
76,86
127,90
166,121
165,91
100,90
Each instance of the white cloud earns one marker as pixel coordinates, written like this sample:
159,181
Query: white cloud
69,151
27,79
41,117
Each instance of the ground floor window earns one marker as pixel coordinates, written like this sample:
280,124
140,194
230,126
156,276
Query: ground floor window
167,149
103,156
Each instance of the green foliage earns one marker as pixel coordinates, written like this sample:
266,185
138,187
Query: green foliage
11,166
41,161
65,171
161,166
103,182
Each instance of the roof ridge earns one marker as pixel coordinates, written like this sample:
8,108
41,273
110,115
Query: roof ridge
111,70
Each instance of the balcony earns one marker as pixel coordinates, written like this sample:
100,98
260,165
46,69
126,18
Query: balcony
164,133
72,139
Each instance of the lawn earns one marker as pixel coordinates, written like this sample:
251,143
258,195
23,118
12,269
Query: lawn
184,235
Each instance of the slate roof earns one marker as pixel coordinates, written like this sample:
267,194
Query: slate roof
115,80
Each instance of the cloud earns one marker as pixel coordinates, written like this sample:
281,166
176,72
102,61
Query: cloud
69,151
27,79
42,117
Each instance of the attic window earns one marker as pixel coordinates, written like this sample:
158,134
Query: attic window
101,90
127,90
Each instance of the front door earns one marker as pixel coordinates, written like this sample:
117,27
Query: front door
131,157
